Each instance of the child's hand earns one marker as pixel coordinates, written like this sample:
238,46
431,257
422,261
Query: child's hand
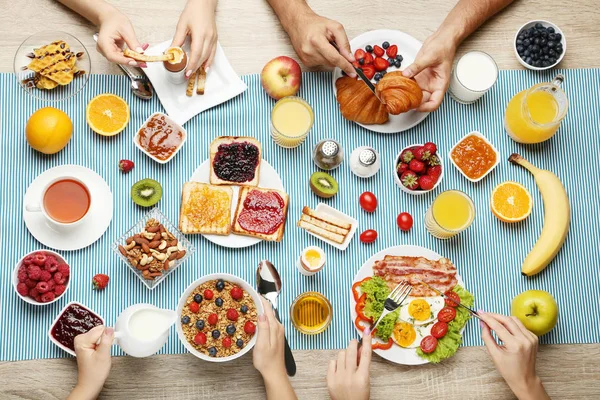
93,362
115,31
348,377
268,355
198,21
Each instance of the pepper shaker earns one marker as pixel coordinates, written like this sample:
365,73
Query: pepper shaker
328,154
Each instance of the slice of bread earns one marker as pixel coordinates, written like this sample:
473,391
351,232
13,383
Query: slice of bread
205,209
327,218
276,236
214,148
322,232
324,225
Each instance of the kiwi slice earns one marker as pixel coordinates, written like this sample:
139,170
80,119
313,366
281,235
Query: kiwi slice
146,192
323,185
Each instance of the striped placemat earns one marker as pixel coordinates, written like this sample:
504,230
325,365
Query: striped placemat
488,255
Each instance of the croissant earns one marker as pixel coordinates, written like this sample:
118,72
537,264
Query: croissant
399,93
358,103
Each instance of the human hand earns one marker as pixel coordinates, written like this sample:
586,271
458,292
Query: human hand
515,357
115,30
431,69
267,356
311,36
93,362
198,21
348,377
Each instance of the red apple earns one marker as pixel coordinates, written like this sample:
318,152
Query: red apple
281,77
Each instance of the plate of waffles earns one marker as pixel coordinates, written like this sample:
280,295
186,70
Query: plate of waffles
52,65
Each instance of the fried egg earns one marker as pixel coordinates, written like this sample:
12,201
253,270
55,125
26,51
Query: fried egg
421,310
409,336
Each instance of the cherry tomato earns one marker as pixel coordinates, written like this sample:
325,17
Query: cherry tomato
368,201
428,344
368,236
452,298
446,314
405,221
439,329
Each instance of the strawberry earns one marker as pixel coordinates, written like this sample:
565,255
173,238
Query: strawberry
417,166
421,154
200,338
407,155
232,314
194,307
208,294
410,180
426,182
227,342
368,59
249,328
381,64
100,281
402,168
356,64
435,171
369,71
430,147
237,293
392,51
125,165
378,51
433,161
212,318
360,53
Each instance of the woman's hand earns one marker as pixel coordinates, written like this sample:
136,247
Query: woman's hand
348,377
93,362
115,30
515,357
198,21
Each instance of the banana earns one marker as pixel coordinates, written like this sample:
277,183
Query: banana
557,217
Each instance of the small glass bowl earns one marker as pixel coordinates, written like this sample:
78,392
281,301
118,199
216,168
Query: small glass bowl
59,93
139,227
327,322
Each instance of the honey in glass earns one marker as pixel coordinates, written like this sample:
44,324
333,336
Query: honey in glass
311,313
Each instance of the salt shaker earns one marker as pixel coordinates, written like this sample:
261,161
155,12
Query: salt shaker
365,162
328,154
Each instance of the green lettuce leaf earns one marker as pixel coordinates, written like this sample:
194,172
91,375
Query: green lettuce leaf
377,291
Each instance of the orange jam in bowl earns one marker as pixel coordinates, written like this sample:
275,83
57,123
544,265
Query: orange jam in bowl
474,156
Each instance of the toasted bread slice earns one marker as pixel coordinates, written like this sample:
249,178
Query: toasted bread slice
276,236
189,90
205,209
146,58
322,232
225,140
340,223
201,81
324,225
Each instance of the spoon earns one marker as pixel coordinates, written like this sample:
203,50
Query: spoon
268,283
140,86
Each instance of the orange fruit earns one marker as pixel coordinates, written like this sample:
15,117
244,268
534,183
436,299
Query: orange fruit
107,114
48,130
511,202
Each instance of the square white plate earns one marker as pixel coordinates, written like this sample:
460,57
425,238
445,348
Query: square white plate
482,137
222,84
324,208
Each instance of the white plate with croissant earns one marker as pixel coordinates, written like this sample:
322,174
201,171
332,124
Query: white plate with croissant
401,95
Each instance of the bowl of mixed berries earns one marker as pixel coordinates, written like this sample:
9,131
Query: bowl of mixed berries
41,277
375,60
418,168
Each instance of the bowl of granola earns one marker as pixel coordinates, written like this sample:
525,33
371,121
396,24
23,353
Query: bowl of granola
218,317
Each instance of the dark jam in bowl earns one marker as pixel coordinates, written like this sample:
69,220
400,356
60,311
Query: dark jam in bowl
236,162
74,321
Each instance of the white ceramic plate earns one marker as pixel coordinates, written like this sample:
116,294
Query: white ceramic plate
28,299
269,179
80,236
396,354
324,208
222,84
408,47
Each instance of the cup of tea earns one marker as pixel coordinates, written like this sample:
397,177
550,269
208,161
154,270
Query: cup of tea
65,202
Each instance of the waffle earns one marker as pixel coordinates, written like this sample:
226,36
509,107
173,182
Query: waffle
54,65
205,209
41,82
48,55
61,72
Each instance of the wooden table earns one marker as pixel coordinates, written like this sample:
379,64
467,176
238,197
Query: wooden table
251,35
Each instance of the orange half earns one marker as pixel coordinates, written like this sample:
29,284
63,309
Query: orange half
511,202
107,114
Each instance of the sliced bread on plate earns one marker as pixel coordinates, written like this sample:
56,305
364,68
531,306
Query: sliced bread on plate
235,163
205,209
275,236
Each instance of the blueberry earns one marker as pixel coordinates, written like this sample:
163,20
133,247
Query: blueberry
369,48
536,41
551,44
220,285
391,60
538,26
552,36
212,351
216,334
550,29
535,48
551,53
526,42
239,343
543,34
545,63
200,324
377,76
543,42
559,49
398,64
552,60
526,53
198,298
219,302
546,57
385,45
230,329
383,73
244,309
361,61
528,60
526,34
185,320
399,58
520,49
558,37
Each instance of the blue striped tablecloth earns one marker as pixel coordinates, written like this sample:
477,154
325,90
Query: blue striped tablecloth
488,255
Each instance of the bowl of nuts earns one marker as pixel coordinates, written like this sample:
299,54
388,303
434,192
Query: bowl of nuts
153,248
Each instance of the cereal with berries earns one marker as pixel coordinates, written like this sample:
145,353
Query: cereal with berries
219,318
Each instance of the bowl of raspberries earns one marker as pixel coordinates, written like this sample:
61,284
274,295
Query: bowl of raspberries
418,168
41,277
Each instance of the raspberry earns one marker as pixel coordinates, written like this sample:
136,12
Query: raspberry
39,259
28,260
232,314
22,289
42,287
22,275
227,342
34,272
33,293
59,278
45,276
194,307
38,298
237,293
208,294
249,328
50,264
200,338
30,283
213,319
64,269
59,289
48,297
51,285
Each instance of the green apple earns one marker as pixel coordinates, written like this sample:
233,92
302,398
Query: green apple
537,310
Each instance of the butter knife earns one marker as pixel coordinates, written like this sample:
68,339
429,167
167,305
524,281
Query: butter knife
362,75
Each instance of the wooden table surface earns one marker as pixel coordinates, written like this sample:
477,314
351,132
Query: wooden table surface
251,35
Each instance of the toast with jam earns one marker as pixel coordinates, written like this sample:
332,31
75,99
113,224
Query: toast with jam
235,161
261,213
205,209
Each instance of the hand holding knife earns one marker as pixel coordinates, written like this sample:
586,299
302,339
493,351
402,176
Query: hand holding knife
361,75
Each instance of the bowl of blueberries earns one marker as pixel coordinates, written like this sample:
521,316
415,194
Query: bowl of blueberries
540,45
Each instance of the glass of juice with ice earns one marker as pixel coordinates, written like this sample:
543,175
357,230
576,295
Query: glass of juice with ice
452,212
534,115
291,120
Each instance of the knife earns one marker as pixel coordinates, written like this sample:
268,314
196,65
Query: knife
471,311
362,75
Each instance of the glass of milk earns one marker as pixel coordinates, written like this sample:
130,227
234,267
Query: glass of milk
474,74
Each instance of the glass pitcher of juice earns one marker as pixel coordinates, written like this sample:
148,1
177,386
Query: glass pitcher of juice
534,115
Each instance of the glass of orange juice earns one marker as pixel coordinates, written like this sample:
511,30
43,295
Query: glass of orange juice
451,212
291,120
534,114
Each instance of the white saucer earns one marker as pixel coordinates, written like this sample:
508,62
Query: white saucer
96,223
269,179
